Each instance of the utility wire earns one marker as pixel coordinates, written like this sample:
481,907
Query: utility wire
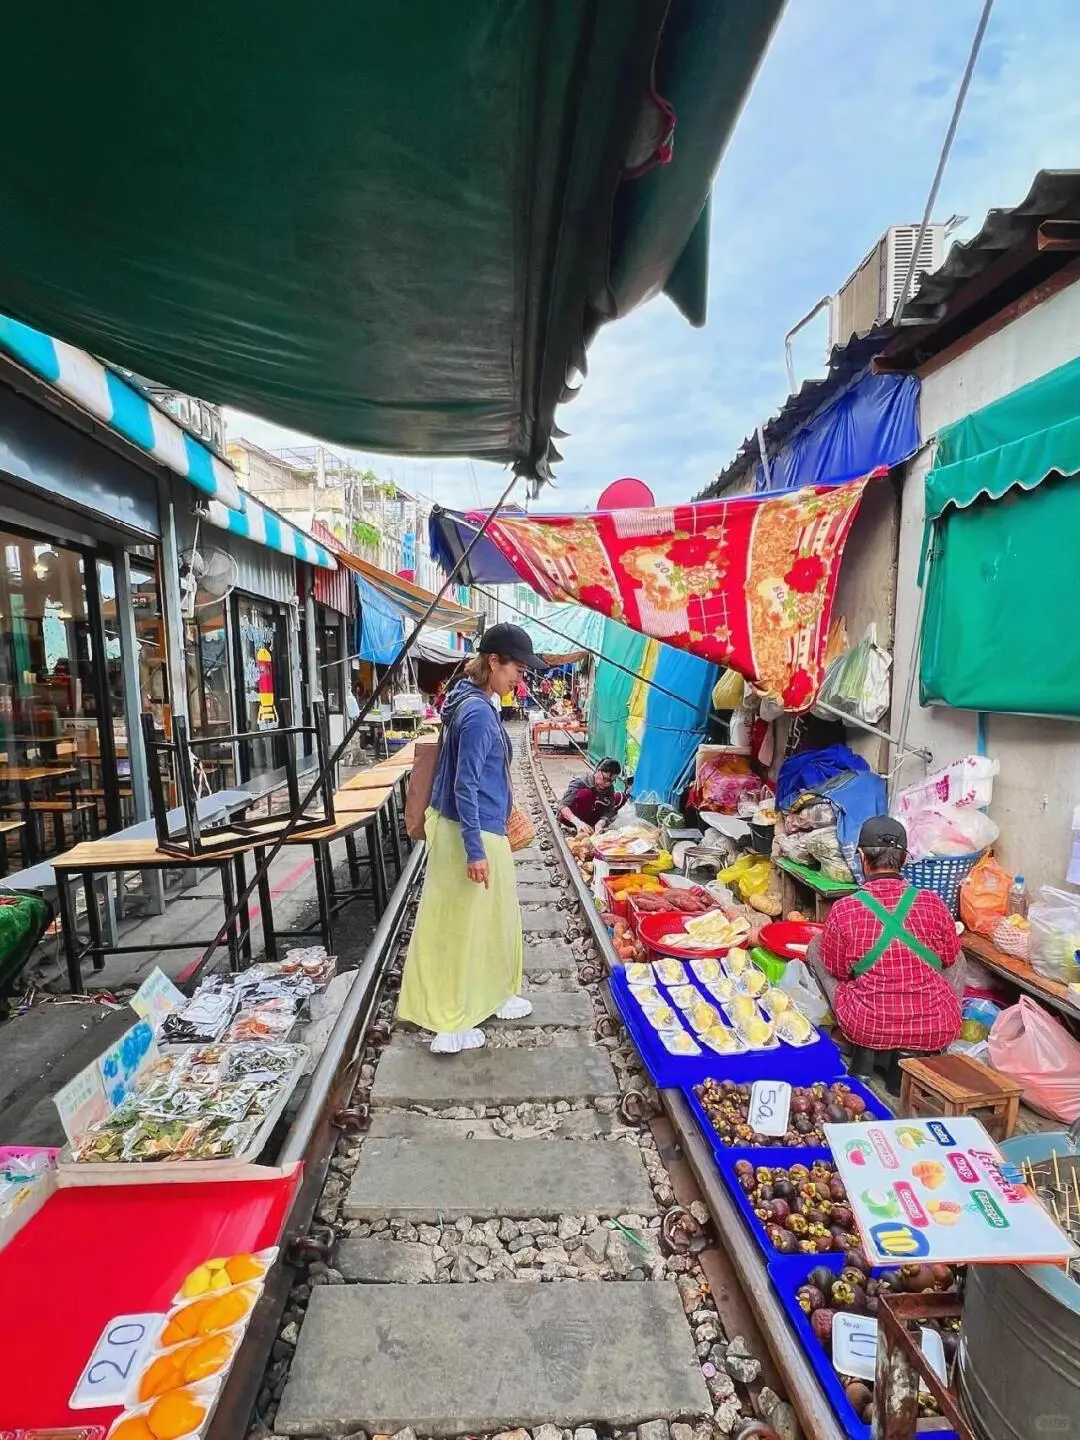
327,769
950,135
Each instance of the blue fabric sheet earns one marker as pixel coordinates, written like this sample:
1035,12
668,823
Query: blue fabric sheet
380,625
673,730
875,421
809,770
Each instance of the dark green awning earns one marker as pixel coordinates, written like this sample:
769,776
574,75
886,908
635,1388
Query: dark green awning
395,226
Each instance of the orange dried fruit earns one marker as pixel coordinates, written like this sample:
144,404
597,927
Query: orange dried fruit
187,1323
175,1415
244,1267
207,1357
134,1427
225,1310
161,1375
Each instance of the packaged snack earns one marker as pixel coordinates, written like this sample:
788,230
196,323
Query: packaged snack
671,972
206,1358
736,961
753,981
637,974
706,970
794,1028
678,1042
222,1272
722,1040
220,1310
684,995
741,1009
176,1415
703,1016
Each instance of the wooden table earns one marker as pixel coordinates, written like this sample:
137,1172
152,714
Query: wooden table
957,1085
1020,973
568,728
103,857
26,777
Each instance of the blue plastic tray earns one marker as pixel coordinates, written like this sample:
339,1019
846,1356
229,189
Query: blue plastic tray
759,1154
801,1066
787,1273
726,1162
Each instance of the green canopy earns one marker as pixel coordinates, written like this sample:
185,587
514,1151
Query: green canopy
395,226
1019,440
611,690
1003,517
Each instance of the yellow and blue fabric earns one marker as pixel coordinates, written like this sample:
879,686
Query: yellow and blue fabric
674,728
122,407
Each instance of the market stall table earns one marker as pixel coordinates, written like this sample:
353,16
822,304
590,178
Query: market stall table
1021,974
345,826
825,891
25,777
548,728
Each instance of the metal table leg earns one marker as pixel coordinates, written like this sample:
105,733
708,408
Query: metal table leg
229,899
93,920
323,888
353,858
66,905
245,911
379,886
395,833
266,906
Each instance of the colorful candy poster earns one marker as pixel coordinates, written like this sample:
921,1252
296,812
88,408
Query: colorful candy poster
940,1190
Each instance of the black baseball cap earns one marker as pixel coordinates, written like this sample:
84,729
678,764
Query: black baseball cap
513,642
882,832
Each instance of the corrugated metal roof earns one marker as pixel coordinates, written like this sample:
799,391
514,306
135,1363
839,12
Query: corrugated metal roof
846,362
1051,193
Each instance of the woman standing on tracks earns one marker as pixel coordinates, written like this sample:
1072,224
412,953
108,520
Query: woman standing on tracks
465,956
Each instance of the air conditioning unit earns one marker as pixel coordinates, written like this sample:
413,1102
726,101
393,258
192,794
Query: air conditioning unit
870,294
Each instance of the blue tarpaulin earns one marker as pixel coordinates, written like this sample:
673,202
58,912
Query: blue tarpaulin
671,734
380,625
874,421
449,535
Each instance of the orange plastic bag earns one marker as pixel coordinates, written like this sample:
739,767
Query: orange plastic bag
1030,1046
984,896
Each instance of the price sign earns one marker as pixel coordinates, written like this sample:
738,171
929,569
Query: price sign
854,1347
770,1107
117,1359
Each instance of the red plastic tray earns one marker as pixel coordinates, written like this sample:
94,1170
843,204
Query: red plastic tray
780,936
652,928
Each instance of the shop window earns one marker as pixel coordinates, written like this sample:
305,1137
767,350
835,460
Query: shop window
262,682
206,656
328,657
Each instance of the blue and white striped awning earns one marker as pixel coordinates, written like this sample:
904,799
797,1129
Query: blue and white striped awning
109,398
266,527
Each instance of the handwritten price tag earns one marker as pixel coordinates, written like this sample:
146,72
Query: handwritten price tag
770,1107
854,1348
117,1359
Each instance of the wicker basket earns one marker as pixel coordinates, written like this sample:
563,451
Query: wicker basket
520,830
943,874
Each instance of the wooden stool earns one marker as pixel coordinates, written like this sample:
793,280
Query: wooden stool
954,1085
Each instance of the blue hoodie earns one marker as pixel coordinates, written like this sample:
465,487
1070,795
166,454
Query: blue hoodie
472,778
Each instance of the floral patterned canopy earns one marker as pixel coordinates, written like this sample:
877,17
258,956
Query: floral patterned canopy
747,583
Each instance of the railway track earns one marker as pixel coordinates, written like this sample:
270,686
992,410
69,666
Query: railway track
519,1239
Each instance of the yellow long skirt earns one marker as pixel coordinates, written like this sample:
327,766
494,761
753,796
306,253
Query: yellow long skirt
465,955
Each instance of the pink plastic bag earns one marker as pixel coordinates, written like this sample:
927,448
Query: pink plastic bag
1030,1046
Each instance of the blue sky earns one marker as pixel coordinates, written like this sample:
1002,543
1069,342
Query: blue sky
838,140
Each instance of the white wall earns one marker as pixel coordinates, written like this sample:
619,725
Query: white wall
1039,784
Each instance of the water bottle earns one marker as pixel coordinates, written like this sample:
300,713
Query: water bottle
1018,897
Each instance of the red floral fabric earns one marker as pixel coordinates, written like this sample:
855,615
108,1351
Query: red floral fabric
747,583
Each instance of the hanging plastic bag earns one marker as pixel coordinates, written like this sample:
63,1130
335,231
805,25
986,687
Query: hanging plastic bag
728,691
984,896
858,683
750,875
798,982
1030,1046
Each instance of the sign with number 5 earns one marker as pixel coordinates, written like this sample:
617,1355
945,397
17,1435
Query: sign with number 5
117,1359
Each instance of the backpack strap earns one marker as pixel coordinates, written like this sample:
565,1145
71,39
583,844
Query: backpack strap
893,928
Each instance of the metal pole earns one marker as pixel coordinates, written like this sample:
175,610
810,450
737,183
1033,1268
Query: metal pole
129,667
950,135
365,709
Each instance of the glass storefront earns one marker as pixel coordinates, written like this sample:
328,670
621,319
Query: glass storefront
262,671
206,652
328,657
54,696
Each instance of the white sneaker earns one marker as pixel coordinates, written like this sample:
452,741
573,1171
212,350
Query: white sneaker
453,1042
516,1008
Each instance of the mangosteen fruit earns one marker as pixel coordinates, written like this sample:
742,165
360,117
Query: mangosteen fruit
859,1396
916,1278
782,1240
821,1278
821,1324
784,1190
841,1215
836,1114
780,1211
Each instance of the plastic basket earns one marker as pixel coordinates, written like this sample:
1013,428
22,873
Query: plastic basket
943,874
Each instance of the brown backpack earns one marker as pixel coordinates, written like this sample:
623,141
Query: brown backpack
421,781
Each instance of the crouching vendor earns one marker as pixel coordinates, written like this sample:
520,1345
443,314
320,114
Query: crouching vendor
591,801
889,958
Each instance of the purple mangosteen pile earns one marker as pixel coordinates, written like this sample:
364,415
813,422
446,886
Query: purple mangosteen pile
804,1208
812,1106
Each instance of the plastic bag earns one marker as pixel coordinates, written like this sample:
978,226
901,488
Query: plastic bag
858,683
728,691
1030,1046
984,896
968,781
1055,934
948,830
798,982
750,875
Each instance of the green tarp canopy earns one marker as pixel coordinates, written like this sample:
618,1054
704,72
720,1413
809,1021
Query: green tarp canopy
566,633
1003,518
610,698
394,226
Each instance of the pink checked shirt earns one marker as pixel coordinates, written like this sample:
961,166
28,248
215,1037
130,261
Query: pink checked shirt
901,1002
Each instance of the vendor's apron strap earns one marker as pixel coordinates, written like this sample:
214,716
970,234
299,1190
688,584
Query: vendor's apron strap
893,928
